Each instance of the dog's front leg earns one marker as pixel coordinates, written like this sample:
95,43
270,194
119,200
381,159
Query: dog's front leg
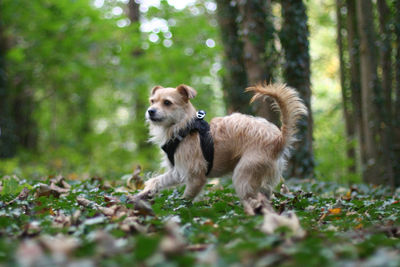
154,185
194,184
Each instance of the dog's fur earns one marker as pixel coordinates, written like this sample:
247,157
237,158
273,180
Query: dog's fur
254,149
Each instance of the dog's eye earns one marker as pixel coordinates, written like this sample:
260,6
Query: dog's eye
167,103
152,101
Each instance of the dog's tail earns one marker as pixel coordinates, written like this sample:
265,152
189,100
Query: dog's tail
290,105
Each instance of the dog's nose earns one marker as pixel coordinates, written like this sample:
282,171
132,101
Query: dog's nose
151,112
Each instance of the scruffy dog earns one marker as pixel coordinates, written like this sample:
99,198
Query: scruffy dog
254,149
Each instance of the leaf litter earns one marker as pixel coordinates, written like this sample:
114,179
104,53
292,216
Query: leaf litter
60,222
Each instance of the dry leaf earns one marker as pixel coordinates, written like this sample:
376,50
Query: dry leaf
23,195
84,202
107,245
335,211
61,220
131,224
141,206
272,221
32,228
29,253
60,244
173,242
46,190
284,189
135,181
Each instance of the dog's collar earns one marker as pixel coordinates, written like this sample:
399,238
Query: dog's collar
197,124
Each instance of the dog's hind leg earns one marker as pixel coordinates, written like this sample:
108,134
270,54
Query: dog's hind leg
247,179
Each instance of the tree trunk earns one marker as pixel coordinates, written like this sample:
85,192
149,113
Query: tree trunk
386,56
143,147
346,93
7,131
396,108
23,107
296,71
355,82
235,78
256,31
385,97
133,11
370,89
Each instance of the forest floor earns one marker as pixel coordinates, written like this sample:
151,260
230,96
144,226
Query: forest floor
59,222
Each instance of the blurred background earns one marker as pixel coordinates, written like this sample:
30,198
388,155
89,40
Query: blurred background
75,77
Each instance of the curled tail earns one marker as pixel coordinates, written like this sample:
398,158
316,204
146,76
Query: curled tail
290,105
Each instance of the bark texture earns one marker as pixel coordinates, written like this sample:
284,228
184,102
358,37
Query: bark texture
346,91
396,108
355,82
7,131
235,78
256,31
296,72
370,94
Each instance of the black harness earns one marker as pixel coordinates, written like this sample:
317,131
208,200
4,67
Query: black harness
206,142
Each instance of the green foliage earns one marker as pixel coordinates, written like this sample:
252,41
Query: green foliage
330,150
11,187
88,72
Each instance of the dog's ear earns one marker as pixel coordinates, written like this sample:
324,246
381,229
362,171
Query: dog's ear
155,88
186,91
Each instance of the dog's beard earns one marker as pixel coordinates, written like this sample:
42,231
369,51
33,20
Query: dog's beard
156,120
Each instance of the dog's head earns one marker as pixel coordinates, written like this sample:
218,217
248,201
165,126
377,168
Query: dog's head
169,106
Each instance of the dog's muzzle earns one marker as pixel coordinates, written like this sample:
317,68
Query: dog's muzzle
152,114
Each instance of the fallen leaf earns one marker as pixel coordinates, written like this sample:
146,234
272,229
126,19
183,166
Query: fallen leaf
140,206
46,190
197,247
359,226
60,244
284,189
107,245
32,228
131,224
272,221
84,202
29,253
61,220
135,181
335,211
173,242
23,195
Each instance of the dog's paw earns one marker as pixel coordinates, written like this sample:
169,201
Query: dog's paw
149,191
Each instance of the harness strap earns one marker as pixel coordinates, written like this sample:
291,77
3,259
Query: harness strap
206,142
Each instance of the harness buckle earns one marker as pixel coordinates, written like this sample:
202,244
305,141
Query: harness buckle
200,114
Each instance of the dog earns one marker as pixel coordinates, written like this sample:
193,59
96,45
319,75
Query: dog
252,148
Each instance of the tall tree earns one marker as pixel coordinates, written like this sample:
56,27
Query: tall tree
353,42
377,162
133,11
396,108
296,72
22,110
7,132
143,147
385,96
257,33
385,21
346,90
235,76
